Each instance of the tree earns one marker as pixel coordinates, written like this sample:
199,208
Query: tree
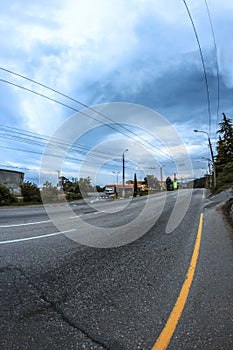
146,182
135,186
224,158
226,129
199,183
30,192
71,187
6,196
99,188
72,191
49,193
85,185
152,182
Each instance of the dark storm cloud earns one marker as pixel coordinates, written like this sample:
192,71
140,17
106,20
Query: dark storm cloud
179,92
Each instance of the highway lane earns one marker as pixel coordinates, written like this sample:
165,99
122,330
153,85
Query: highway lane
60,294
16,223
26,214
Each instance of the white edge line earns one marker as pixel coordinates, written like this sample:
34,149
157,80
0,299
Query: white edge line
26,224
36,237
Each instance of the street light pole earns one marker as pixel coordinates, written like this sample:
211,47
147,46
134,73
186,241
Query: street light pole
211,153
123,173
116,172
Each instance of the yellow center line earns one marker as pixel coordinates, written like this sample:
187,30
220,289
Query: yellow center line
167,332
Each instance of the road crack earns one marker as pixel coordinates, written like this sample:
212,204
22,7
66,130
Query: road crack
54,305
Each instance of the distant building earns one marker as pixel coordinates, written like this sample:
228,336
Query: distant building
62,181
118,189
11,179
128,188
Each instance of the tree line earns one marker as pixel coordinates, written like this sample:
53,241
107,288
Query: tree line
224,157
223,160
48,193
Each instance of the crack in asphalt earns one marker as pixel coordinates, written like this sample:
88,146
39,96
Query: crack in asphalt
55,306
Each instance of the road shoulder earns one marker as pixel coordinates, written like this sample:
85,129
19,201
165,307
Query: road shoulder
207,322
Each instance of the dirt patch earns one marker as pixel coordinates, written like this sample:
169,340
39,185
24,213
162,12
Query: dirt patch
227,211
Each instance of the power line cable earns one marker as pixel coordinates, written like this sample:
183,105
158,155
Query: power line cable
80,103
76,110
72,108
67,158
42,140
216,58
203,64
34,141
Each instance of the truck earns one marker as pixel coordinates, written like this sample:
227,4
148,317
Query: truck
111,191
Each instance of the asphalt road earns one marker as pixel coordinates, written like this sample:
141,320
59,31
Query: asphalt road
59,294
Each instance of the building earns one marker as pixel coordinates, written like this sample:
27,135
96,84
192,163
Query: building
62,181
11,179
128,188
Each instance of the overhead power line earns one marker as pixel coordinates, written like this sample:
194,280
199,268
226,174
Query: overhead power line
216,59
117,162
203,65
57,156
42,140
151,148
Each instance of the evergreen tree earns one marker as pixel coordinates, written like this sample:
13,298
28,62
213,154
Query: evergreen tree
224,158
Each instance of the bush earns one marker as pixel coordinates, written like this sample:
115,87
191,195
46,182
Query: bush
6,196
71,196
49,193
30,192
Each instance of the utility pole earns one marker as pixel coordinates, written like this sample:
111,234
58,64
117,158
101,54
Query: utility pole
211,153
58,178
123,173
161,178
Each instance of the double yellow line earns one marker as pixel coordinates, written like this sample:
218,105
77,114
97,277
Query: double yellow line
167,332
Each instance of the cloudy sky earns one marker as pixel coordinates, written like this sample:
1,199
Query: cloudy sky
98,52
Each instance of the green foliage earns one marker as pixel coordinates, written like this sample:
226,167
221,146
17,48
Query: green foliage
224,158
30,192
200,183
49,193
72,187
143,193
99,188
6,196
79,189
72,196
